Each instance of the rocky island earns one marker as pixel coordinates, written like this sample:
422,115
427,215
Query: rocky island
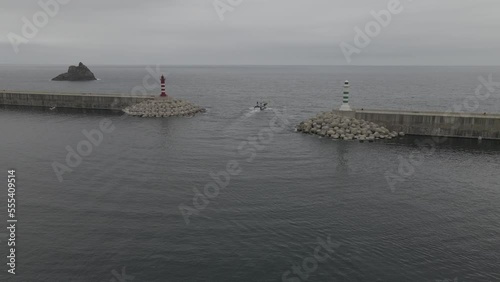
76,73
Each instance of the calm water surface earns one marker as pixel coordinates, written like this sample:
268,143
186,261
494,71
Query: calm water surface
119,209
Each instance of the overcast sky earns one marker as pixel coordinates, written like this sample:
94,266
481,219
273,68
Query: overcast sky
282,32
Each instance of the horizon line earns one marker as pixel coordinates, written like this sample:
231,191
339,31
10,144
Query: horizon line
244,65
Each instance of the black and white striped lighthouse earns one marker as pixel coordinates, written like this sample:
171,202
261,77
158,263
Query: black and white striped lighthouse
345,98
163,90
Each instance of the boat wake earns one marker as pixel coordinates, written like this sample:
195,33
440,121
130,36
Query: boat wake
242,119
253,111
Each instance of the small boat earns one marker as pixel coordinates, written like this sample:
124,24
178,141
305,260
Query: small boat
262,106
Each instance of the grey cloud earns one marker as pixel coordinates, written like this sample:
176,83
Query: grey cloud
281,32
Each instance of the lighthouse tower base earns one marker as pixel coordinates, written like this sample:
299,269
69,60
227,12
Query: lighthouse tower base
345,108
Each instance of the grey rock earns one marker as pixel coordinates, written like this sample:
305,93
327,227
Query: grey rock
76,73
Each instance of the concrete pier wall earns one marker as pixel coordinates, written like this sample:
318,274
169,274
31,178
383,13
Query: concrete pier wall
468,125
75,101
486,126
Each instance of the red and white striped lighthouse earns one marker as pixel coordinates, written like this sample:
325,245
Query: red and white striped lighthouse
163,91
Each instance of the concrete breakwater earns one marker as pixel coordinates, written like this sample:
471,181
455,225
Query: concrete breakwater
163,107
335,126
145,106
69,100
470,125
384,124
486,126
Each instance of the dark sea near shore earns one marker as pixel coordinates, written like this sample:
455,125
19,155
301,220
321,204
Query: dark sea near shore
116,216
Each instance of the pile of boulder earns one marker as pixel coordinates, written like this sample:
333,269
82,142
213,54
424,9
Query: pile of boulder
334,126
163,107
